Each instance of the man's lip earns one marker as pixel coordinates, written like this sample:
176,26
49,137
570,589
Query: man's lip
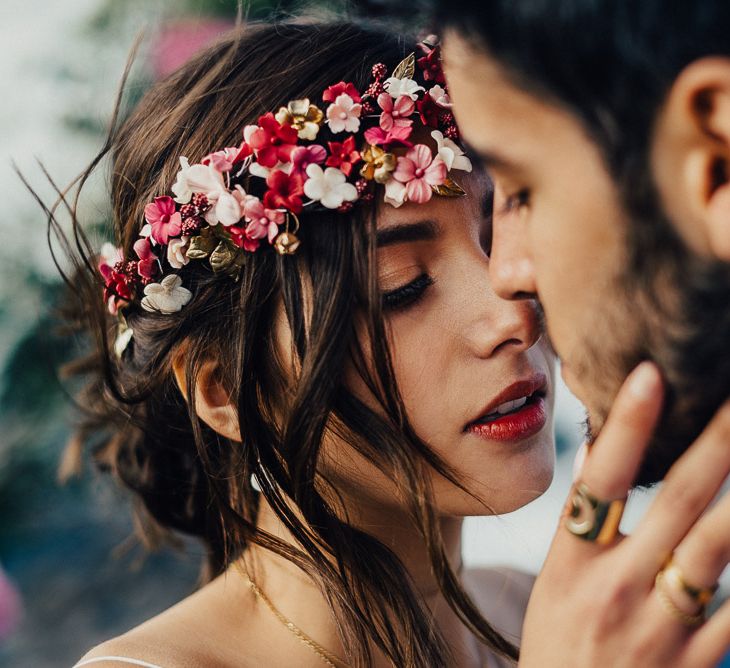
522,388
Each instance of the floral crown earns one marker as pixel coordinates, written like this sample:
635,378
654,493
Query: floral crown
238,199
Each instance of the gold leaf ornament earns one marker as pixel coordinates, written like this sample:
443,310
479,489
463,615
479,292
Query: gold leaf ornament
449,188
201,247
406,69
223,256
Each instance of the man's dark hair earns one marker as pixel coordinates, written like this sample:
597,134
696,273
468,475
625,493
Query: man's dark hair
611,64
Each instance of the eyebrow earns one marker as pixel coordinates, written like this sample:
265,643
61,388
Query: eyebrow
488,158
423,230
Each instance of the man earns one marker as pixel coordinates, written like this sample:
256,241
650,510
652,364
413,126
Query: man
606,127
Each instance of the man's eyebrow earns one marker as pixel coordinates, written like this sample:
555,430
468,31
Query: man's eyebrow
423,230
488,158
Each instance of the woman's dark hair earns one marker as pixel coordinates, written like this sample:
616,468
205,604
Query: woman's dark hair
186,477
611,64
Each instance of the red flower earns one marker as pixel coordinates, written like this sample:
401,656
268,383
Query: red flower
272,141
147,265
164,221
241,238
429,111
330,95
431,66
396,135
343,155
285,192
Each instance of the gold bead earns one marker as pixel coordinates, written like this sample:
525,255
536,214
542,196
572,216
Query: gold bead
286,243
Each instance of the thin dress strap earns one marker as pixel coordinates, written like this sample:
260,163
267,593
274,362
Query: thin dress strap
123,659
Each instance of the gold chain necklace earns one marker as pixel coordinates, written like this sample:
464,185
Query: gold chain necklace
329,658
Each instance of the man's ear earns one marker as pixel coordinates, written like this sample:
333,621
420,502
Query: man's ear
691,156
212,401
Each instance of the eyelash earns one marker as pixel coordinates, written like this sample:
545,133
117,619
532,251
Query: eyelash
407,295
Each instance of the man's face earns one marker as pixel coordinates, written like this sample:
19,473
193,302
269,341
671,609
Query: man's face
559,227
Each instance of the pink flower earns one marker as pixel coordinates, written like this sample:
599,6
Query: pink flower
419,171
263,222
344,114
395,113
224,160
272,141
333,92
303,156
164,221
285,191
343,155
147,265
398,134
178,41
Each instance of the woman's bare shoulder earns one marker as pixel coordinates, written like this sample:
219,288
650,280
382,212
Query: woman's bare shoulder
190,633
501,593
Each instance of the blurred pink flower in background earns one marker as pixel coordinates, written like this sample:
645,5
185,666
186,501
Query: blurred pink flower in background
11,607
177,41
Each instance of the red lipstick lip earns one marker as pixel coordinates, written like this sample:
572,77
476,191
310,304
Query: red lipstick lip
518,426
522,388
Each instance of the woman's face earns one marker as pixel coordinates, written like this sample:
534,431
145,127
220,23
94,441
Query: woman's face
461,355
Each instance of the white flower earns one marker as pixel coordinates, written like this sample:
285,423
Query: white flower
110,254
122,341
450,153
398,87
197,179
226,210
146,232
168,296
395,192
259,170
440,97
177,252
329,186
344,114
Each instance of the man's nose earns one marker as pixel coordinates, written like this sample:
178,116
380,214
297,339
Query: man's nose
511,268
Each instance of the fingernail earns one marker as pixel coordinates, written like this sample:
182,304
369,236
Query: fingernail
644,380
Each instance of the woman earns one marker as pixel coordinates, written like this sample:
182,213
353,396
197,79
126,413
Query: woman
306,367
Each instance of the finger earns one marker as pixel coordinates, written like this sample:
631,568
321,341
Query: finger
614,459
703,555
611,467
711,642
690,486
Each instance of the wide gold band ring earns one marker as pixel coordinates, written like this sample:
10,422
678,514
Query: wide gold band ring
663,589
593,519
670,582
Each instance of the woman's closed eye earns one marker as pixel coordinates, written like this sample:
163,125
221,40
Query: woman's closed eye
407,295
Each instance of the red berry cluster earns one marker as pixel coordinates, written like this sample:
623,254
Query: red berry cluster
192,214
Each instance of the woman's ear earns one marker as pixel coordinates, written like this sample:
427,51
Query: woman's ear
212,402
691,156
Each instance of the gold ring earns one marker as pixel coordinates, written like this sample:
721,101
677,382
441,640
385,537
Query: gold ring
673,576
593,519
671,607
